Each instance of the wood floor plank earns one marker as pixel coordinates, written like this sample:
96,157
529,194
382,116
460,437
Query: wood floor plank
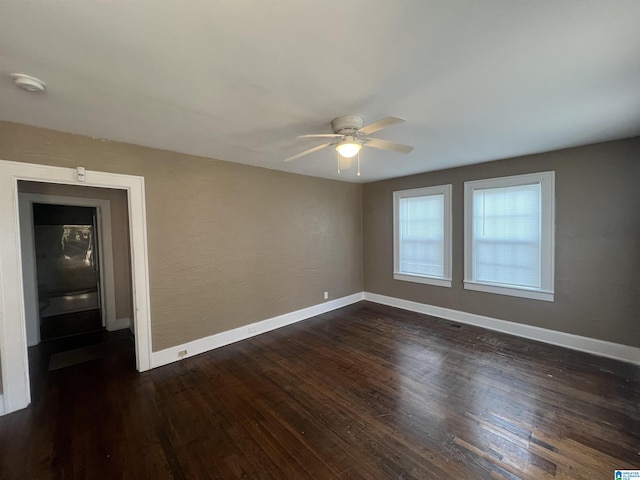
363,392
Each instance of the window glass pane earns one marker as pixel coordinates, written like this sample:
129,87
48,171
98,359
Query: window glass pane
421,226
506,235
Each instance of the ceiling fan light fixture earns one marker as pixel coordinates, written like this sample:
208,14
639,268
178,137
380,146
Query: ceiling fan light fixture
349,136
349,147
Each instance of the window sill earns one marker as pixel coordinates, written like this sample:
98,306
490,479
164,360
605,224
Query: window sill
511,291
439,282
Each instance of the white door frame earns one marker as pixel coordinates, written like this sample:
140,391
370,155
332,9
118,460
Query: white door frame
104,258
13,340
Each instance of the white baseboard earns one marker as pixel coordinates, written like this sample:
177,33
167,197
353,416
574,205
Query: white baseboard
202,345
601,348
119,324
593,346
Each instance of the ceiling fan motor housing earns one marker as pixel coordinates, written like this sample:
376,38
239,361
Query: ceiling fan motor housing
347,124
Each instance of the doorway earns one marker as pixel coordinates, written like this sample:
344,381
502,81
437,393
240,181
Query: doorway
67,270
75,247
13,326
109,207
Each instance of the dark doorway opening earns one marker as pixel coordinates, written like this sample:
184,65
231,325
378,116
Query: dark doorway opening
68,273
71,309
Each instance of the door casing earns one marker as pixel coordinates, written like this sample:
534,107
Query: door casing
13,339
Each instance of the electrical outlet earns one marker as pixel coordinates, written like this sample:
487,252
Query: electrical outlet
253,329
182,353
326,295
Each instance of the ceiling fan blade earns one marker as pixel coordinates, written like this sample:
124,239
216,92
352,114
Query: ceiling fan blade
379,125
307,152
321,135
387,145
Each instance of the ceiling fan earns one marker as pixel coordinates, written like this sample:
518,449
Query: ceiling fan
350,136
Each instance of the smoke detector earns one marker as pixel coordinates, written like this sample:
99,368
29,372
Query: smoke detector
25,82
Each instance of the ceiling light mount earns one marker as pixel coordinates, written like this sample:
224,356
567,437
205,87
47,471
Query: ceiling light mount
28,83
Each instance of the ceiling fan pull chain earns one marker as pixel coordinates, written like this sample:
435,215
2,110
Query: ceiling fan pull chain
338,159
358,164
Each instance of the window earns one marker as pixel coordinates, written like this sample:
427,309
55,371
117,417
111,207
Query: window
422,235
509,235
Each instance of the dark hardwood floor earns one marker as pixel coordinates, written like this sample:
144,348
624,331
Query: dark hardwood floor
364,392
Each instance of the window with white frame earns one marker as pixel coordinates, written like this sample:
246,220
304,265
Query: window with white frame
509,235
422,235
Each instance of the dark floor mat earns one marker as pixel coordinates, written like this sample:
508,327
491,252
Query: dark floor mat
87,354
77,323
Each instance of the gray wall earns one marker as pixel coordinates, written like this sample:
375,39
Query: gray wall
231,244
597,264
228,244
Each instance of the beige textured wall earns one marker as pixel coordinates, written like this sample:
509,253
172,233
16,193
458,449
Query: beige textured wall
597,268
119,232
228,244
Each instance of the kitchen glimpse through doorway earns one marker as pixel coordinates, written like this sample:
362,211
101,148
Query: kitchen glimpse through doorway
67,270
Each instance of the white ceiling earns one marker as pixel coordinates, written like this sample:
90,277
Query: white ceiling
238,80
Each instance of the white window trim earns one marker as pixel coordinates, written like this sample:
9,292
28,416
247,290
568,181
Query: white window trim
445,280
547,236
